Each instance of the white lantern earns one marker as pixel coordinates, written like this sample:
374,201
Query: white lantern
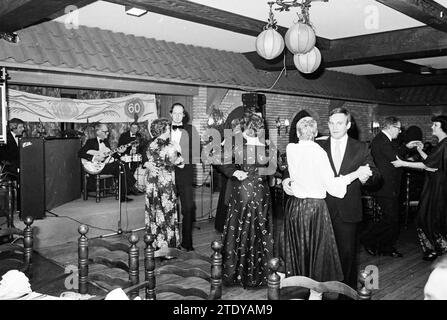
269,44
300,38
308,62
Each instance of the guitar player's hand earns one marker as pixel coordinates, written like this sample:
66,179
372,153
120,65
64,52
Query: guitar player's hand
99,158
121,149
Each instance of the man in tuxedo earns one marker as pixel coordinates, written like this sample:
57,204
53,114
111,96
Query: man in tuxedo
9,153
346,155
183,136
89,151
381,237
128,137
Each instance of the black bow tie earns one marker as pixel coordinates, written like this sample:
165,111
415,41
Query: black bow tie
101,141
177,127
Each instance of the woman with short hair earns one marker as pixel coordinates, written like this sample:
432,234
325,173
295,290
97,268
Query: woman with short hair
309,243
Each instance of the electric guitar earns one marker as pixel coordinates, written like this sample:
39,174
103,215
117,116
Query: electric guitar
96,166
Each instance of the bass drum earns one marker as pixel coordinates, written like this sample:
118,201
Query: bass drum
140,179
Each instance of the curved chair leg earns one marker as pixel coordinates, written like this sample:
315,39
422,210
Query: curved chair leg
85,186
98,189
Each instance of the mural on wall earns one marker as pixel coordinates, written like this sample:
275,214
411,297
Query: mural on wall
32,107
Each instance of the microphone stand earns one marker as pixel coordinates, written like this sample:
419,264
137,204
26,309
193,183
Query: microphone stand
120,230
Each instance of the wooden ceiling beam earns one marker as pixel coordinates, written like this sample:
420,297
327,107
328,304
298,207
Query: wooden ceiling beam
404,66
18,14
405,44
190,11
428,12
397,80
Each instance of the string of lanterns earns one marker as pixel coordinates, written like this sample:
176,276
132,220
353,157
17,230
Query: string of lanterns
300,38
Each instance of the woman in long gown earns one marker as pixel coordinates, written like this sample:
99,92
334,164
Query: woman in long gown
309,243
431,219
160,208
247,235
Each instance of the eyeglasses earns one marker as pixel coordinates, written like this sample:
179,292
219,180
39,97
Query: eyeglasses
105,131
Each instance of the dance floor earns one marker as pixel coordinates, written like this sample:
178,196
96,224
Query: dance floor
56,239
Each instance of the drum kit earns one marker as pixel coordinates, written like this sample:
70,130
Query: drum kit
132,158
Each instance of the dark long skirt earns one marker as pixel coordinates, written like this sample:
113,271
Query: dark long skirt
309,243
247,236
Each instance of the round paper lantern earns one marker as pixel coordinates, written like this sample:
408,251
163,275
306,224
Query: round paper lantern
269,44
308,62
300,38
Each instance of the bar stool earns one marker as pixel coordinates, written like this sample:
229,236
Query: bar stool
105,185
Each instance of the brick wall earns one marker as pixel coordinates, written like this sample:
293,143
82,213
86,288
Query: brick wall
413,116
199,121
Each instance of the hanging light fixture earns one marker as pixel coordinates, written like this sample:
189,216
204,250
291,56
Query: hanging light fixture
300,38
269,43
308,62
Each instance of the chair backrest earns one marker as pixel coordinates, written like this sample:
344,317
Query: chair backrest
101,279
282,288
13,255
173,257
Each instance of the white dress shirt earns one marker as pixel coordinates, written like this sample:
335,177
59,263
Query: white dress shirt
343,142
389,137
176,136
16,138
311,173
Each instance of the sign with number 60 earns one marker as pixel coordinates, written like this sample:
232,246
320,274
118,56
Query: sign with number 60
134,107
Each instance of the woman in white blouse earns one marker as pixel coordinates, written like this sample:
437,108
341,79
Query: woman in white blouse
309,243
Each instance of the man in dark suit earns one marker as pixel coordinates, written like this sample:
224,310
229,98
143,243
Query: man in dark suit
9,153
381,237
128,137
185,138
95,149
346,155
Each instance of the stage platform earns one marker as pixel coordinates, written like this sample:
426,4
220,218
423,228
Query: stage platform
61,223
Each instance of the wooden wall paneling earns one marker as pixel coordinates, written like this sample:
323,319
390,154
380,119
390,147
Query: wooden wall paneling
166,102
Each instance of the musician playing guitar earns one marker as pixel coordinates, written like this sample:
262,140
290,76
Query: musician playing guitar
97,150
135,150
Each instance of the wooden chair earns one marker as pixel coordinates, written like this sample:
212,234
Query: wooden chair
105,185
101,280
173,268
8,201
13,255
292,287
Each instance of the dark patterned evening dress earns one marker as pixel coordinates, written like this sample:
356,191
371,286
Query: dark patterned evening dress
160,208
247,235
431,221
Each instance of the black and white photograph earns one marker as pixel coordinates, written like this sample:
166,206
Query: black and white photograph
225,157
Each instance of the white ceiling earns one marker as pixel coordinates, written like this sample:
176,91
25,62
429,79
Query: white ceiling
332,20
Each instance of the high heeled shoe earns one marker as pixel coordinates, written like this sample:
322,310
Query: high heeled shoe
430,256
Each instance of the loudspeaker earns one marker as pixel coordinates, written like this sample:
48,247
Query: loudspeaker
32,177
63,171
254,102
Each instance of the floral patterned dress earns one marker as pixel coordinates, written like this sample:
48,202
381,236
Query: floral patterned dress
160,209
